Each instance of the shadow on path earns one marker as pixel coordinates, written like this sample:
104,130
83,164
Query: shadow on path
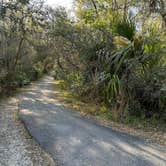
74,140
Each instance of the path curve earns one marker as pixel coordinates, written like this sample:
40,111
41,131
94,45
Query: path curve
73,140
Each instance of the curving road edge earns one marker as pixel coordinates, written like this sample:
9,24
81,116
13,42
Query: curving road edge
73,140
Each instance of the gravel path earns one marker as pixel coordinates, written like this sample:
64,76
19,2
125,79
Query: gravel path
17,148
74,140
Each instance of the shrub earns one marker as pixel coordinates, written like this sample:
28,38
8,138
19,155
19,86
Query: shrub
21,79
150,91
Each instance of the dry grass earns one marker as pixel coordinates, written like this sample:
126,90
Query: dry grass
85,108
99,112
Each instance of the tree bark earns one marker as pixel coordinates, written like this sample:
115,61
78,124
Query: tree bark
94,4
18,52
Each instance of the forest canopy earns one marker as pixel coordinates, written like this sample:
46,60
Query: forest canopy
113,51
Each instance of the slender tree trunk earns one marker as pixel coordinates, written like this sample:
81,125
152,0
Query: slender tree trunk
11,70
94,4
18,52
163,12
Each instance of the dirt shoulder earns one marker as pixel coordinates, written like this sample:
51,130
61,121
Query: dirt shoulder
17,147
152,132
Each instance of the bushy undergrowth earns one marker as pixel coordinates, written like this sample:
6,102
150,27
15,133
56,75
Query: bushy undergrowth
114,64
20,78
25,53
108,52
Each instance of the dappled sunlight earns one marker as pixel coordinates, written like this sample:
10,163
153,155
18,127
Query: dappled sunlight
46,92
74,141
138,150
89,78
32,93
92,152
112,147
58,104
153,152
29,112
105,145
116,145
72,135
40,121
53,112
46,100
28,99
126,147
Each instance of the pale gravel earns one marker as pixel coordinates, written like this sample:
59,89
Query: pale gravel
17,147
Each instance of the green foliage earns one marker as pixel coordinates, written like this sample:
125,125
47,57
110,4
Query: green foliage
73,81
113,88
24,43
106,52
39,68
126,28
21,79
112,60
150,91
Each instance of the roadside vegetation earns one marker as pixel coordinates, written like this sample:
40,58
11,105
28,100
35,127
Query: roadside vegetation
111,53
23,44
151,129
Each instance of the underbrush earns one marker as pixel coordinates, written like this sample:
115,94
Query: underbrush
94,109
20,78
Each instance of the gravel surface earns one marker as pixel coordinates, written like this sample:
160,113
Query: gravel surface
17,148
73,140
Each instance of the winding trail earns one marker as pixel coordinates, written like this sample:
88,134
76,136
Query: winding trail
73,140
